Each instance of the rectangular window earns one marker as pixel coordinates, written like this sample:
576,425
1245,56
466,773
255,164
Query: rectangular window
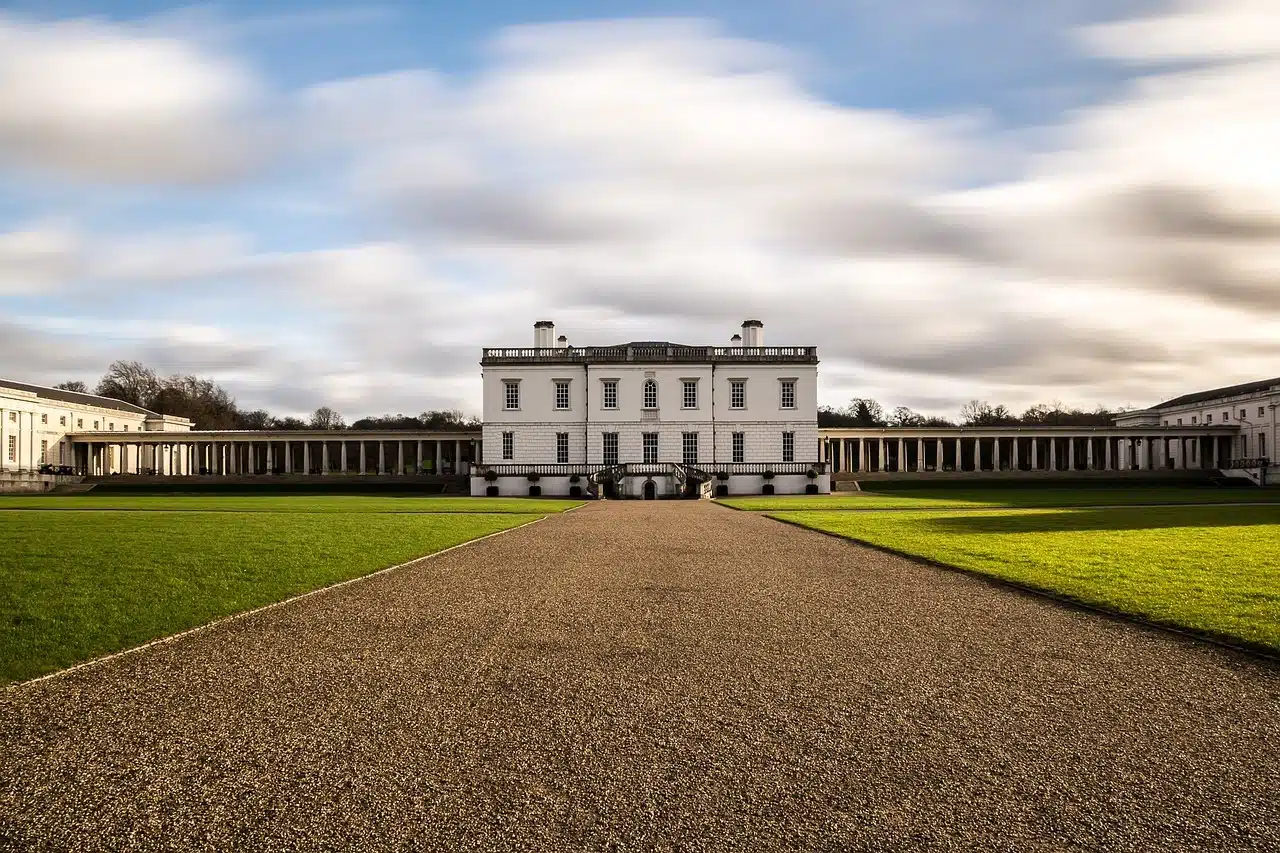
1262,411
690,394
1179,421
737,393
650,447
1243,415
95,424
512,391
13,417
63,420
562,448
44,451
650,394
1262,444
44,419
1226,416
610,443
1193,419
788,447
610,396
562,394
112,426
508,445
690,448
1166,421
13,448
739,447
79,423
1207,419
788,393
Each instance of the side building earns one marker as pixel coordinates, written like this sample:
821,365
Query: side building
650,418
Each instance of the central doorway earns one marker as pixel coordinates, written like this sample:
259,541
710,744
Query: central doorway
650,490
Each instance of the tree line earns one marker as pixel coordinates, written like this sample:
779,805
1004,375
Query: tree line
863,412
209,406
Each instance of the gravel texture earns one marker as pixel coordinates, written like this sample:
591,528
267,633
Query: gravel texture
653,676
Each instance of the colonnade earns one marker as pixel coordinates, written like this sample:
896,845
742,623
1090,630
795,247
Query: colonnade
251,457
916,453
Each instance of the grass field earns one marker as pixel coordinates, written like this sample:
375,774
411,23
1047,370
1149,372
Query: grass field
1208,569
994,496
79,584
285,503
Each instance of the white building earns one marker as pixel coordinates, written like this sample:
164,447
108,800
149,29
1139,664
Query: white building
1250,408
35,423
650,418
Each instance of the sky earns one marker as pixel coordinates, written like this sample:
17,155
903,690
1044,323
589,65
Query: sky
1072,201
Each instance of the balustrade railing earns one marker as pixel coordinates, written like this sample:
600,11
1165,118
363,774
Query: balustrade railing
647,354
1254,462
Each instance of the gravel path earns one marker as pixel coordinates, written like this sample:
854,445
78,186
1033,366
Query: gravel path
653,676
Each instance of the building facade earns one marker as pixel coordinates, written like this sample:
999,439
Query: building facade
38,425
666,416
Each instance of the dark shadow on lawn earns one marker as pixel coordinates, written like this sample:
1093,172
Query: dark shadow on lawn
1141,518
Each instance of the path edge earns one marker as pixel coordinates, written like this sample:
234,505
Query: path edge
221,620
1242,647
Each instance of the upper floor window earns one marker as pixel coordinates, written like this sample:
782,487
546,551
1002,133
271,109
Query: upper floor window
1226,416
609,441
511,392
126,427
1242,414
739,447
650,394
1193,419
1166,421
691,393
508,445
79,423
1208,419
1262,411
609,399
13,417
1179,421
737,393
562,448
13,448
788,447
788,393
95,424
63,420
44,419
112,426
562,394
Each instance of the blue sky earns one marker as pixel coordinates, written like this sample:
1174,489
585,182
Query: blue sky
336,203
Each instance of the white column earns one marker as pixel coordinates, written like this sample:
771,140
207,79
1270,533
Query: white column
1053,454
959,464
342,456
439,456
1088,460
1071,454
364,452
902,454
382,456
271,457
919,454
288,457
1213,451
995,453
324,458
457,456
418,458
400,457
938,450
306,457
862,455
1106,457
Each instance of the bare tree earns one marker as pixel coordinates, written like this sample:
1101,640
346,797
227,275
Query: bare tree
130,381
73,385
326,418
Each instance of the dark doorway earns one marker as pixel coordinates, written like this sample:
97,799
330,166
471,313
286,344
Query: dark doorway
650,490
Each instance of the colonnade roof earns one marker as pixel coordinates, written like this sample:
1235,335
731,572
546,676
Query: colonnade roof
178,436
1005,431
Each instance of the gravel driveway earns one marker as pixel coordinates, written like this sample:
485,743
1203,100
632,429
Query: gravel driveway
653,676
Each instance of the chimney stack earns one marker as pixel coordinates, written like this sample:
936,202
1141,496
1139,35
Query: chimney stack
735,341
562,342
752,333
544,334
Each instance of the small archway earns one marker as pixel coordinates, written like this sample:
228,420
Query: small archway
650,490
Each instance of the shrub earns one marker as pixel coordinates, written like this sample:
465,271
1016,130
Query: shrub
768,475
812,474
490,476
534,477
722,475
574,478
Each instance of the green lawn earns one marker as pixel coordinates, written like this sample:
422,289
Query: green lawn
76,585
1214,570
285,503
993,496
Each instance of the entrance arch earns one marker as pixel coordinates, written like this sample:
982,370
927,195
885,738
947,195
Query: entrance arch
650,490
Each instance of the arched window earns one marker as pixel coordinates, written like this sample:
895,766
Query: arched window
650,394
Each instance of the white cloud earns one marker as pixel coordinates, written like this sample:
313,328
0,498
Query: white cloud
94,100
